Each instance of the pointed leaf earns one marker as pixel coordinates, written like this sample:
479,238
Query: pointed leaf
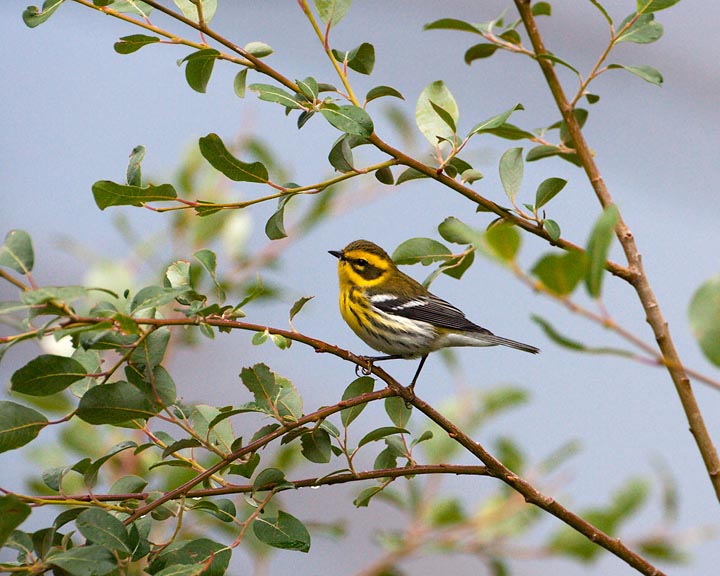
348,119
214,151
380,91
271,93
198,68
561,273
644,30
107,193
480,51
598,247
547,190
430,123
358,387
133,43
47,374
332,11
18,425
101,527
647,73
283,531
704,316
17,252
511,172
34,17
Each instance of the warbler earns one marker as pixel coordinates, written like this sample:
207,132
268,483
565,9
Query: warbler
394,314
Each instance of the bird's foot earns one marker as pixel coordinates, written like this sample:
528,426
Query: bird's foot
365,368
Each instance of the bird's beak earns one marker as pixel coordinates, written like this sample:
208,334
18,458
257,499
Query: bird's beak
336,253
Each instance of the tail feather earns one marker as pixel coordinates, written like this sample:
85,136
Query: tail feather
493,339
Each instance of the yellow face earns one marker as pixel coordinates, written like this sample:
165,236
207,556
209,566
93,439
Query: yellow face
358,266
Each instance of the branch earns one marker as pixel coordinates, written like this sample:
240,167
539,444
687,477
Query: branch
415,470
637,277
494,467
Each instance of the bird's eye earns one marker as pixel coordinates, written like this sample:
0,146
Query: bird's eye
361,262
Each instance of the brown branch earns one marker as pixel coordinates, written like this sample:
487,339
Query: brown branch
415,470
637,278
494,467
257,445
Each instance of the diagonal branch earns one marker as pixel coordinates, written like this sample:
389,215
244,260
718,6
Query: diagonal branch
495,468
638,279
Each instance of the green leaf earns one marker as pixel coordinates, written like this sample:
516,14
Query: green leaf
363,499
545,151
547,190
409,174
239,83
274,394
604,12
348,119
83,560
561,273
129,6
133,174
199,67
46,374
380,433
269,477
504,241
663,549
309,88
445,116
398,411
380,91
471,176
644,30
208,261
430,123
360,59
704,317
495,121
271,93
511,172
190,11
107,193
316,446
385,176
91,472
480,51
456,267
423,250
341,156
541,9
101,527
258,49
598,247
133,43
457,232
214,151
152,349
115,403
17,251
298,305
453,24
12,513
275,226
647,73
358,387
647,6
247,468
283,531
552,228
18,425
212,556
332,11
556,60
34,17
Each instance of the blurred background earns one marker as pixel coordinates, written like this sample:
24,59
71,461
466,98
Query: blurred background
74,109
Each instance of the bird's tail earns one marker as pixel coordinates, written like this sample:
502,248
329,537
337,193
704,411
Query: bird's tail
493,339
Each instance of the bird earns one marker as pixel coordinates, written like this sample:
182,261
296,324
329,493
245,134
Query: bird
396,315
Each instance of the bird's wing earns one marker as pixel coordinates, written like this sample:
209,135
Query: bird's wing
430,308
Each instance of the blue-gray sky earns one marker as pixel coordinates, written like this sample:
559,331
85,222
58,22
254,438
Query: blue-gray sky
74,109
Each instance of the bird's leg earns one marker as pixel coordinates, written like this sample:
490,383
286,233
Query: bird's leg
370,360
417,373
